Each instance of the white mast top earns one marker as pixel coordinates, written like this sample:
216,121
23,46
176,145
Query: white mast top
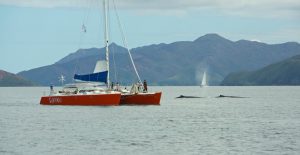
105,7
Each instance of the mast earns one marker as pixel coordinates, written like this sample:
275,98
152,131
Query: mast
105,7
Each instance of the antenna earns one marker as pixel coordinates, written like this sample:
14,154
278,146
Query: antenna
61,79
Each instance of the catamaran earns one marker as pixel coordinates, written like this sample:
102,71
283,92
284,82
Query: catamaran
90,91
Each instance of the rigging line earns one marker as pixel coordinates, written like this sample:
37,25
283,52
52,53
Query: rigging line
125,41
114,62
106,40
82,33
98,4
90,4
110,36
86,15
111,46
106,12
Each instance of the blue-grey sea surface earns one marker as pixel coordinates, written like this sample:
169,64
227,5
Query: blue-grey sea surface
267,121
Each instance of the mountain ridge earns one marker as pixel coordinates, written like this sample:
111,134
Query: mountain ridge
177,63
8,79
285,72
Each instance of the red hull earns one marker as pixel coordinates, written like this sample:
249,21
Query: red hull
83,100
141,99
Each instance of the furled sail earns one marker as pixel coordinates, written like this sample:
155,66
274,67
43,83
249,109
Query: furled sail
99,75
95,77
100,66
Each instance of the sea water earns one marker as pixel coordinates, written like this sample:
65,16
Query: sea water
266,121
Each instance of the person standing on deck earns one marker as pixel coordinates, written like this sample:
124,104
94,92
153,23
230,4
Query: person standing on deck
112,86
118,87
51,89
145,86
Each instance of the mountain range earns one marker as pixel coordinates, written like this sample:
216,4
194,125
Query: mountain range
178,63
286,72
10,80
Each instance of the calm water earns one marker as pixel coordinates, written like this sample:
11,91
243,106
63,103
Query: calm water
267,122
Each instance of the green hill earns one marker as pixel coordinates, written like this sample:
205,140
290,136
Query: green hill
286,72
11,80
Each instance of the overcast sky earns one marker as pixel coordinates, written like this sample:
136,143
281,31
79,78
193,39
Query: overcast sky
35,33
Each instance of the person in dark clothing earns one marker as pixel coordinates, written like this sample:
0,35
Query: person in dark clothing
51,87
117,86
145,86
112,86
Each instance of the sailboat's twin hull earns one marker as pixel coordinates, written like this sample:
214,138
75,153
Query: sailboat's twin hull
103,99
141,99
83,100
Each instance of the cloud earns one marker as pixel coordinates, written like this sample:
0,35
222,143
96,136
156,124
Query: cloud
285,8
